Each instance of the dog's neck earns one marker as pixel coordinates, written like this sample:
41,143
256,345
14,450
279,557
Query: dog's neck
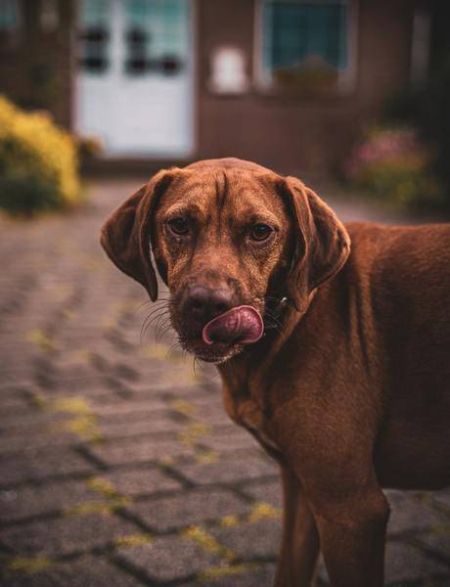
248,370
241,372
243,377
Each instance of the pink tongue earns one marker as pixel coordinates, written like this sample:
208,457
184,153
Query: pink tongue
242,324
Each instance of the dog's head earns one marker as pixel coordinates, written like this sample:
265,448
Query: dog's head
230,239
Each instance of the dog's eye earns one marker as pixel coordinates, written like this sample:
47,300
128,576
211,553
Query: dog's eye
179,226
260,232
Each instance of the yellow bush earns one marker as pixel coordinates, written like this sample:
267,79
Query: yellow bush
38,162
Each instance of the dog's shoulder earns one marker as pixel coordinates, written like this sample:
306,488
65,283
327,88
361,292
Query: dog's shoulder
401,264
398,244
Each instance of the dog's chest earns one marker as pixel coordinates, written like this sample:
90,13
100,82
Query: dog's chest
247,413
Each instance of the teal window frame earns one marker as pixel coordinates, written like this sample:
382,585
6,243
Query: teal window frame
290,32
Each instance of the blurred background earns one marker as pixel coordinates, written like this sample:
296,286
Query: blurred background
117,463
352,89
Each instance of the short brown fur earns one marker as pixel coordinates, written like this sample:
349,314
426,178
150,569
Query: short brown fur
351,391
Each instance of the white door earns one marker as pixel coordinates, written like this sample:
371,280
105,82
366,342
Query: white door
135,82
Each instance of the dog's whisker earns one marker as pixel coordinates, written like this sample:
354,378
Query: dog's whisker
148,303
158,309
162,328
148,321
152,320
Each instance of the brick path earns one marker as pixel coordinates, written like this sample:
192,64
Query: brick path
118,466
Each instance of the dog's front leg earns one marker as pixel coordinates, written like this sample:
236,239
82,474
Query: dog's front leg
300,540
352,537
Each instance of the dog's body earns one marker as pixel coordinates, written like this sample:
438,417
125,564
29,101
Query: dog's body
351,391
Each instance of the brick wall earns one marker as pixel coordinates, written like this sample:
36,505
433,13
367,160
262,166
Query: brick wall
35,63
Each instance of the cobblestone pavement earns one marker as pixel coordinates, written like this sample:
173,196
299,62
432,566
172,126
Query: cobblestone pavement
118,466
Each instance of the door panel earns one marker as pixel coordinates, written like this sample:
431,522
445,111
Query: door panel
135,76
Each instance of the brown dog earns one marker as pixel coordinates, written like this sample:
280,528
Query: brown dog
349,388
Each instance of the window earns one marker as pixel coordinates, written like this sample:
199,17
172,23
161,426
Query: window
157,37
9,15
306,46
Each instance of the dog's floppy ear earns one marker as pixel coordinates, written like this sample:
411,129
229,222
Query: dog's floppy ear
322,242
125,234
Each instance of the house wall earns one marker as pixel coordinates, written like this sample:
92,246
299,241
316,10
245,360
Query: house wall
294,134
36,64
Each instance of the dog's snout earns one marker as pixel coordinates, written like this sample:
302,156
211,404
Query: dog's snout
203,304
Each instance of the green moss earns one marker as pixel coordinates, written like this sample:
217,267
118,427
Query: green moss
225,571
83,423
208,542
229,521
192,432
133,540
29,565
41,340
263,511
206,457
182,407
102,486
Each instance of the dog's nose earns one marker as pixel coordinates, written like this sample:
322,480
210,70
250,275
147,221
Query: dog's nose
203,304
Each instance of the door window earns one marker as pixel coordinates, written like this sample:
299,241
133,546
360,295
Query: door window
95,35
155,36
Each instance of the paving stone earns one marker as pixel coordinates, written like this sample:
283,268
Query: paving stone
143,481
148,389
198,394
189,507
16,394
140,451
321,572
88,571
211,414
251,540
14,407
24,502
267,491
437,540
36,465
13,443
230,440
405,563
409,514
126,410
252,575
34,421
61,536
168,559
228,470
442,499
70,379
161,426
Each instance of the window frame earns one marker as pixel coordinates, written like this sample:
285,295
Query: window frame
346,84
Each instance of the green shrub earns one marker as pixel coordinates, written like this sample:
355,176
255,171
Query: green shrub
38,163
393,165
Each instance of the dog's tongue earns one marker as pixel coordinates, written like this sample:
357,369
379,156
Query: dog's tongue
242,324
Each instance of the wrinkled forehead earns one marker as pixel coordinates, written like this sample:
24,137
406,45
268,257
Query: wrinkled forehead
234,193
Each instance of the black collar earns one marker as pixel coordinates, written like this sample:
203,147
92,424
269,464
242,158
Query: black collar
275,309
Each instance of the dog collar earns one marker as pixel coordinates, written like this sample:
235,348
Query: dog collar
275,311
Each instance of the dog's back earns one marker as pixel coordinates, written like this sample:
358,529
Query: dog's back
403,275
